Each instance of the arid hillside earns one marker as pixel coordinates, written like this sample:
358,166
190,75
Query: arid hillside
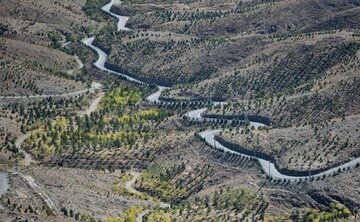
226,36
259,119
35,49
226,18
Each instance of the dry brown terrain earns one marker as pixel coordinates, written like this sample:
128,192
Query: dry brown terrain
307,147
34,39
28,69
293,63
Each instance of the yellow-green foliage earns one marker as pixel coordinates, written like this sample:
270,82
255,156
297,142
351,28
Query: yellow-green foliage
128,215
119,187
233,197
120,97
158,182
48,136
234,204
164,189
124,134
148,114
158,216
139,117
278,218
113,125
125,177
337,212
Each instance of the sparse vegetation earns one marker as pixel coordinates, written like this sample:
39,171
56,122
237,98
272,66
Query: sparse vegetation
234,205
131,159
118,124
92,8
173,184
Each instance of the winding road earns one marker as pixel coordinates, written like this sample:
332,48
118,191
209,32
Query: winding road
93,105
20,139
268,167
30,181
102,56
100,64
94,86
131,183
121,19
140,216
27,157
4,183
130,186
209,135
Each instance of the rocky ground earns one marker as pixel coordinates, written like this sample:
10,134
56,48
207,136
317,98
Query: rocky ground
300,74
